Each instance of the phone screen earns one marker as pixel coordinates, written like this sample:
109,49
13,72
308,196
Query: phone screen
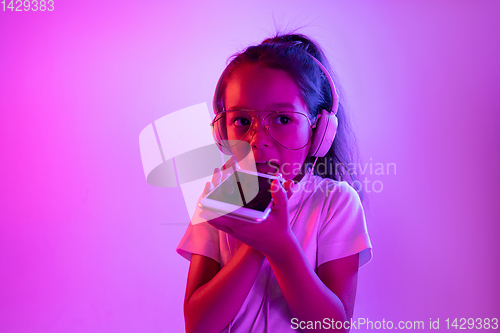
244,190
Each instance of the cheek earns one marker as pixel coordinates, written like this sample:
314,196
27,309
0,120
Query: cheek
242,152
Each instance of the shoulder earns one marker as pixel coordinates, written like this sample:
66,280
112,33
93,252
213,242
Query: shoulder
202,239
338,201
333,208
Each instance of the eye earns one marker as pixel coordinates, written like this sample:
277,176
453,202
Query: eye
240,122
282,120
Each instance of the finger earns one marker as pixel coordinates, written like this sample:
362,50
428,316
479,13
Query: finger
208,187
226,173
279,195
288,187
230,164
217,176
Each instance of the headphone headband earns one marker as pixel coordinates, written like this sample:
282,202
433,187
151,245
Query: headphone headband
335,96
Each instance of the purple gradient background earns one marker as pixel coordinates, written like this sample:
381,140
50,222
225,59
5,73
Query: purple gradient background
85,242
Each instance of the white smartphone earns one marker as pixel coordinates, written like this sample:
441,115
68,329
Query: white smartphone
244,195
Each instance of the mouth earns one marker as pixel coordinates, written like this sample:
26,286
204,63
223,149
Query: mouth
266,167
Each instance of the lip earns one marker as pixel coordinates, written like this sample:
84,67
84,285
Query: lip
267,167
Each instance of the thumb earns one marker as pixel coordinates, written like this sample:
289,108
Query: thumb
288,185
280,198
208,187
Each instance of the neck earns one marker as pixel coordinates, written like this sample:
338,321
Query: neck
306,168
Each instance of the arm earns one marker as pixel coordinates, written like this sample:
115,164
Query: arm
314,297
311,297
341,277
213,295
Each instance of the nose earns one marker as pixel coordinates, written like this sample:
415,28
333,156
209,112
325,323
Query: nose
259,137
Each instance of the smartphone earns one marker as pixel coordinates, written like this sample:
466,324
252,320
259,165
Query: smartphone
244,195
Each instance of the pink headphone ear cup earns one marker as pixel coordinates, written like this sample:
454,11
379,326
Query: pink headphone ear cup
326,128
219,136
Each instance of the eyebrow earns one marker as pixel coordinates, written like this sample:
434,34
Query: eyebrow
268,106
283,106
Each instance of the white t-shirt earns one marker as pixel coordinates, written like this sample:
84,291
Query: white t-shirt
328,221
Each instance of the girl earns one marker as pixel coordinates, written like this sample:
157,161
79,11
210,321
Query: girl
297,270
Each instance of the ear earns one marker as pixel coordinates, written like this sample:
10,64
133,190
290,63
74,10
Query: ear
326,128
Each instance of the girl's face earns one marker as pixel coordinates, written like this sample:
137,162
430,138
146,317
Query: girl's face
254,87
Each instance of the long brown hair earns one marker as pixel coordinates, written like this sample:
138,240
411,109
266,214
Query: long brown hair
289,52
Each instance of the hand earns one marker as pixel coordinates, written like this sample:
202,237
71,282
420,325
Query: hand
267,236
217,177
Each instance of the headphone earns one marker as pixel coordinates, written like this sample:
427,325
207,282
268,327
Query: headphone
325,128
